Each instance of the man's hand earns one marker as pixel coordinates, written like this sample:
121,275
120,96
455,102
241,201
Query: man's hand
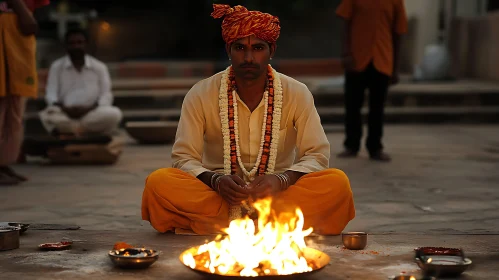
232,189
263,186
348,63
77,112
394,78
28,25
27,22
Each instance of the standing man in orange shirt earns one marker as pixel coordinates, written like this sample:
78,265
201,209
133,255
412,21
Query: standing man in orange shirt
370,57
18,78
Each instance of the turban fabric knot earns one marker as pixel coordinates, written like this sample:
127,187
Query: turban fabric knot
239,23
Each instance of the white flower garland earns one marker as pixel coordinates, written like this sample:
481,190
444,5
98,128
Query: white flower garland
223,101
235,212
250,176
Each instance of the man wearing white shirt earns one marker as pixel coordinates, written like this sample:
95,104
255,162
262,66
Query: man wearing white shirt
78,93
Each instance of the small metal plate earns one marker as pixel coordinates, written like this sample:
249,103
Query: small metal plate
64,245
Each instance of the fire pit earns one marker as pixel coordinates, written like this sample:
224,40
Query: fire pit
274,248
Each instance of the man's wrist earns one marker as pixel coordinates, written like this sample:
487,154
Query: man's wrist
215,181
285,181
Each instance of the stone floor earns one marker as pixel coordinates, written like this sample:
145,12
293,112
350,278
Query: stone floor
440,190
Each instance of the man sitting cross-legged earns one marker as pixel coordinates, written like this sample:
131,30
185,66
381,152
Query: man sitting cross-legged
248,131
78,93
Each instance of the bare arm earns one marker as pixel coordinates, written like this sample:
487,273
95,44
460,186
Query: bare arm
400,27
396,56
52,87
346,55
294,176
106,98
205,177
27,22
346,39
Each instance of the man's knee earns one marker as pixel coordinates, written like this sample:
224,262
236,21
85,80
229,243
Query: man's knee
159,179
111,114
340,184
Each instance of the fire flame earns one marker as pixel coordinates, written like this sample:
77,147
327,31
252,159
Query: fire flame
275,247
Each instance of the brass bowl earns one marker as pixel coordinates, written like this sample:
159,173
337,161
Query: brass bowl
133,258
354,240
319,258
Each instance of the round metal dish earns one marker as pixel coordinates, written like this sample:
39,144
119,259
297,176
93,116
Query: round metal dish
354,240
321,260
9,237
133,258
444,266
441,262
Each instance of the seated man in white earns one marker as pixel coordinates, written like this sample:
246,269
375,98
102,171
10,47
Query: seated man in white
78,93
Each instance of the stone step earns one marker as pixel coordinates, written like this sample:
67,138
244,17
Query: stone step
325,67
333,97
330,115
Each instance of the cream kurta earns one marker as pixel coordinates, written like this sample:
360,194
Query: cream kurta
198,147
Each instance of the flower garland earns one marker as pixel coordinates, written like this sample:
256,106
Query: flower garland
266,159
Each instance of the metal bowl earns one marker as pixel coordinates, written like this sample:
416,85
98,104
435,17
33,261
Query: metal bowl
354,240
9,237
133,258
319,258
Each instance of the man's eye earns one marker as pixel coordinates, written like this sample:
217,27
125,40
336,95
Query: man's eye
239,47
259,48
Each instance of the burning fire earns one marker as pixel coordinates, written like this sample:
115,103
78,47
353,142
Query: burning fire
275,247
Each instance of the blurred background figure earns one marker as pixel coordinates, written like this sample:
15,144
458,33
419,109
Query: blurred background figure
18,78
78,93
370,59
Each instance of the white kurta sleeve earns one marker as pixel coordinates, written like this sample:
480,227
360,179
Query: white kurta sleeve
187,150
106,97
313,149
52,87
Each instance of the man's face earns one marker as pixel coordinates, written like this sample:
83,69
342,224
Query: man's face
76,45
250,57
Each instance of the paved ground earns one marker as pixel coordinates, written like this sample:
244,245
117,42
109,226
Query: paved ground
440,190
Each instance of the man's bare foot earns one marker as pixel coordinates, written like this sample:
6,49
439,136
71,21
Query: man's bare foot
9,172
6,180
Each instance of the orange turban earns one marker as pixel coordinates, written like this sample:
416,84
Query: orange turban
239,23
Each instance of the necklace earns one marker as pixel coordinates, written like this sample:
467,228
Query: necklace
266,159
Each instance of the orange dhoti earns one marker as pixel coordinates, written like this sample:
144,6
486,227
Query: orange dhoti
174,199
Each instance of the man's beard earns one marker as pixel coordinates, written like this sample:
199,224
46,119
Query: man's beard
248,71
76,53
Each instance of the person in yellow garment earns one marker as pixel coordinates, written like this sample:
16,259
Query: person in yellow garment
18,78
246,133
